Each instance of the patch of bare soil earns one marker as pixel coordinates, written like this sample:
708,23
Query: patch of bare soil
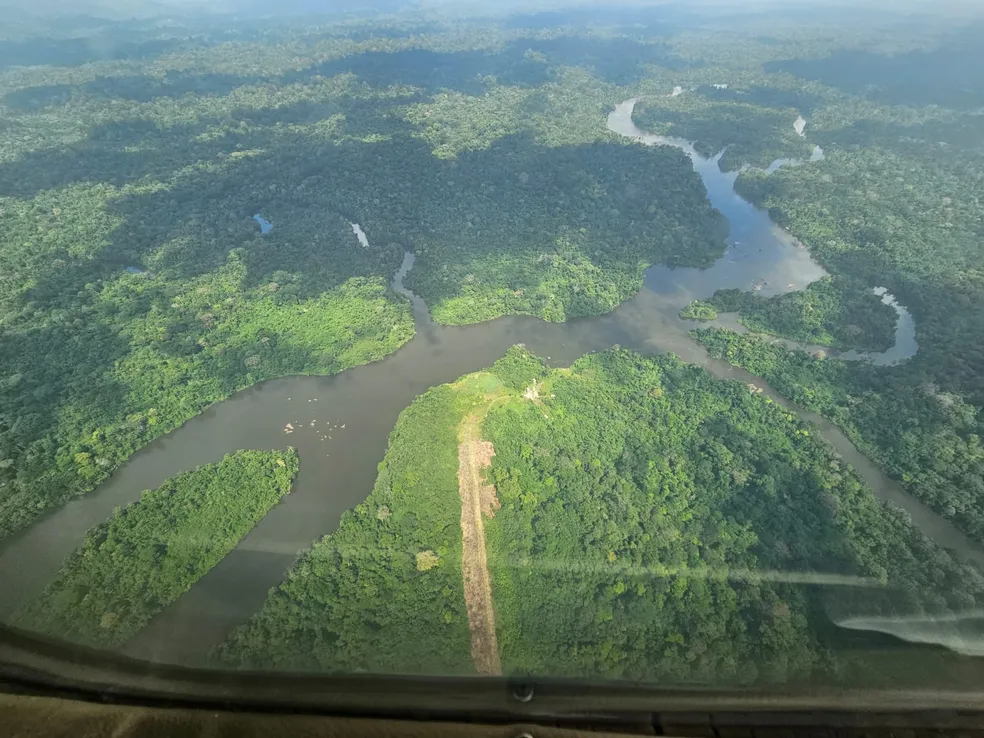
478,499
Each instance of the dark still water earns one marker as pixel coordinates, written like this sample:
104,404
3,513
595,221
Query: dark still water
338,464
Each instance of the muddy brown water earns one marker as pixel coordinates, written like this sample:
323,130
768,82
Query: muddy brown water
337,474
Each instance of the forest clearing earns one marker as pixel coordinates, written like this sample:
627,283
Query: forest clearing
478,498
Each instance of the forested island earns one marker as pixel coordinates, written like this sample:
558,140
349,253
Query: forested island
194,205
149,553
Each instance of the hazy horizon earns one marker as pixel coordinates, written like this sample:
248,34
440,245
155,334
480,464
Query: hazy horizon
127,9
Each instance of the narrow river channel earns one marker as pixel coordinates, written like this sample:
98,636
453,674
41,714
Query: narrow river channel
336,475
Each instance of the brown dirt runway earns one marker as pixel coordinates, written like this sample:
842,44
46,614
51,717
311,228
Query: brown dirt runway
477,499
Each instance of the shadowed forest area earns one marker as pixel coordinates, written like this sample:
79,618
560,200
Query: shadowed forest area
949,75
641,500
135,266
838,313
894,203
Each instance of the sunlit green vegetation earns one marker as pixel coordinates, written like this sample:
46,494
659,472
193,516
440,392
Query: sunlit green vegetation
650,515
140,354
699,310
645,506
150,552
837,313
485,153
358,600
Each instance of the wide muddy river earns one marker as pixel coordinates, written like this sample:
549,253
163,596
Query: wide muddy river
338,473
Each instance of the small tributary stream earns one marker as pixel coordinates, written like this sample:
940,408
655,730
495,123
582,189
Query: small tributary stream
337,474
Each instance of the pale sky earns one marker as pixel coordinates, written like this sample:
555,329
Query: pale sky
482,7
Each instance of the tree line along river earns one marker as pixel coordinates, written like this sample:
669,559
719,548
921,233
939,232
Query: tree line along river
337,474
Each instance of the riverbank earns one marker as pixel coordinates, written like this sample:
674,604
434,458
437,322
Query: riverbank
337,474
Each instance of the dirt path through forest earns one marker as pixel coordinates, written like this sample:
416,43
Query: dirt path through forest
477,499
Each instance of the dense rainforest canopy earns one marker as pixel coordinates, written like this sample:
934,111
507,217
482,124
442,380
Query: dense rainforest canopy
895,202
655,523
932,443
134,267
